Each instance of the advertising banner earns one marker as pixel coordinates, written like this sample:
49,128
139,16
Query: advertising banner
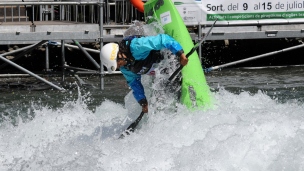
240,11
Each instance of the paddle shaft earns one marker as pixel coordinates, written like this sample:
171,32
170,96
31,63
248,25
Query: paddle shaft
135,123
190,53
132,127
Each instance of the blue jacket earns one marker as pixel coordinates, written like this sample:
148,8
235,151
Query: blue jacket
140,49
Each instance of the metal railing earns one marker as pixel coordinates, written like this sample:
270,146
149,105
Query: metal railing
68,11
115,12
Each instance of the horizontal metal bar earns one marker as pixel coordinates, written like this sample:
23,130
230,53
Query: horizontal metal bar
81,69
105,26
49,3
76,47
14,75
256,35
32,36
98,73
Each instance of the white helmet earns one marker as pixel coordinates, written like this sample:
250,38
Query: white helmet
108,56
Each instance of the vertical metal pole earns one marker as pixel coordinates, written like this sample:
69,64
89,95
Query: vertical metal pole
12,10
101,43
47,64
199,39
98,13
4,13
132,11
60,12
63,60
67,13
70,13
76,13
126,11
115,12
52,12
41,12
33,15
123,12
25,14
92,13
108,12
19,12
84,13
46,14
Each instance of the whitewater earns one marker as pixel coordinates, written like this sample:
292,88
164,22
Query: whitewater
242,132
256,123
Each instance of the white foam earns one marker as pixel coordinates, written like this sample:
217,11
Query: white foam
243,132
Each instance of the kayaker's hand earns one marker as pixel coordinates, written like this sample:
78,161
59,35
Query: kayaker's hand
183,59
145,108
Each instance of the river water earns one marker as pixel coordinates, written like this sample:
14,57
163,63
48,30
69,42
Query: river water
257,123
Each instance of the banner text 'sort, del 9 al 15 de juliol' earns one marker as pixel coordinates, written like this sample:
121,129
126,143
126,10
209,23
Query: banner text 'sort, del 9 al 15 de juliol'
240,11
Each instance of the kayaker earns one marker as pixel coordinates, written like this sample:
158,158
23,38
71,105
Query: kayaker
135,55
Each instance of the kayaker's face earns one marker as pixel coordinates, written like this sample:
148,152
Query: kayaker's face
121,59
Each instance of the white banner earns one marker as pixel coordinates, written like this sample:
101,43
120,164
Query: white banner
240,11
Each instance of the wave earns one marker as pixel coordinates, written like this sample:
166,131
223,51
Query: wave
243,132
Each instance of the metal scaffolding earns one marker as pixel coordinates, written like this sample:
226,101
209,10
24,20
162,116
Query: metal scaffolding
68,28
58,23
